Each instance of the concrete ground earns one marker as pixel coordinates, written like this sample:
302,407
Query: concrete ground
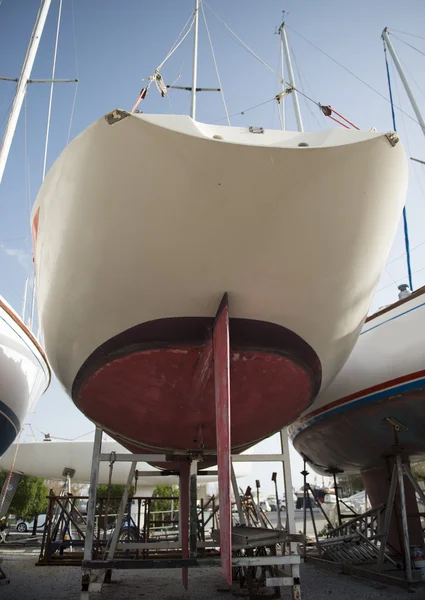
29,582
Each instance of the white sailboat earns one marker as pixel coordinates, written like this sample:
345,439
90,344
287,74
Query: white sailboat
24,373
142,224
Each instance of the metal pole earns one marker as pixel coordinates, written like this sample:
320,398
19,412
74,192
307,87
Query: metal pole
121,509
304,473
279,520
338,508
406,542
404,81
387,519
405,223
291,77
282,74
193,527
91,504
195,61
242,520
22,84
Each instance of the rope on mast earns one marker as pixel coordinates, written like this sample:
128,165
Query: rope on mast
157,77
405,224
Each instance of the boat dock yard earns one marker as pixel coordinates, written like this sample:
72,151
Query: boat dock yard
201,288
61,583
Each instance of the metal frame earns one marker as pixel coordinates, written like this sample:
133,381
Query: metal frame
215,357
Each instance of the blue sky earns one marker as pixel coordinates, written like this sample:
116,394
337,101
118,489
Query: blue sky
119,43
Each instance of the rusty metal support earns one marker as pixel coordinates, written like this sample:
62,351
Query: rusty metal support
221,354
184,482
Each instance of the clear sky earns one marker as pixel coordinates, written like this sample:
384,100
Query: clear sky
119,43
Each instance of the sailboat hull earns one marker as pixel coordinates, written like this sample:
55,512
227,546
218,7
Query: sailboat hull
351,425
24,374
145,221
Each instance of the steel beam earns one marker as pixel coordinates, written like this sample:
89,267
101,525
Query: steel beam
221,352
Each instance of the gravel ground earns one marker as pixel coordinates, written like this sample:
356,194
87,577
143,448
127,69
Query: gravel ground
29,582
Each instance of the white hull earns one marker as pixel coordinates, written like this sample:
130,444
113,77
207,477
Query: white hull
49,459
24,374
383,377
152,218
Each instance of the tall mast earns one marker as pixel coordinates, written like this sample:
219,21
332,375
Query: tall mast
282,74
195,61
282,32
399,68
22,84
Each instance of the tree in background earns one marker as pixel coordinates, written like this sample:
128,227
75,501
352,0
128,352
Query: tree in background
115,495
165,511
165,491
418,470
30,498
349,484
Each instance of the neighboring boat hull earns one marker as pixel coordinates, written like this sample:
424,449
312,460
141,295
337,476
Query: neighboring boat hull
49,459
145,219
24,374
347,427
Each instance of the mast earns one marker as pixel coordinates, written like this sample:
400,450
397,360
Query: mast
404,81
282,32
195,60
282,74
22,84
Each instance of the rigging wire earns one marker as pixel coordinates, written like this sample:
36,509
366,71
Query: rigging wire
49,110
409,73
176,45
157,77
242,112
407,44
305,84
71,118
27,169
75,38
408,144
352,73
10,106
215,64
291,88
399,280
405,224
247,48
405,33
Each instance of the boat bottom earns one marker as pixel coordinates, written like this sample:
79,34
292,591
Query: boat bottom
362,436
152,386
9,427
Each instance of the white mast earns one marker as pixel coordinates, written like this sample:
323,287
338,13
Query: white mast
399,68
22,83
282,74
282,32
195,61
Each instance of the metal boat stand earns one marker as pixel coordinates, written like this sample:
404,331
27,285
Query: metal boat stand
238,548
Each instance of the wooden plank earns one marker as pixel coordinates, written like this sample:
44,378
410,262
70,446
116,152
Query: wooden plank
221,353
